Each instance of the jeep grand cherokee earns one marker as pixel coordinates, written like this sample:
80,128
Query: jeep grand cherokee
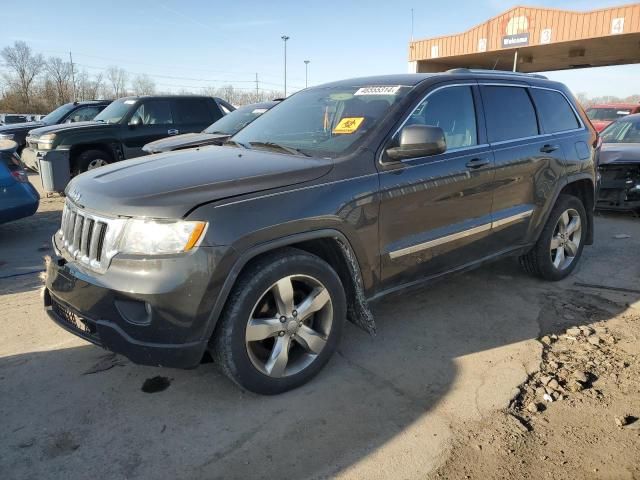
258,251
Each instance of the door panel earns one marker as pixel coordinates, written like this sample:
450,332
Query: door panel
435,212
156,122
526,175
528,163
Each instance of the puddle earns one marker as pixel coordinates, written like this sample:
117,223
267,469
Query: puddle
155,384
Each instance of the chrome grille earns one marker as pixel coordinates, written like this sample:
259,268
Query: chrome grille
88,238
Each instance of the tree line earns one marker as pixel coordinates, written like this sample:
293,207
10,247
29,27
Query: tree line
34,84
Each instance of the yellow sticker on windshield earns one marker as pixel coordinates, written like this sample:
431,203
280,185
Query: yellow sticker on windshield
348,125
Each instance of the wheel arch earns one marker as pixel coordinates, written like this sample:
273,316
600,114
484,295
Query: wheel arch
76,150
330,245
583,188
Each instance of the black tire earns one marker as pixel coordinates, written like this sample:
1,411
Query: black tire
538,261
86,159
228,347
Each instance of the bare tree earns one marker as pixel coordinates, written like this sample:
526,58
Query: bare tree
24,67
117,78
143,85
88,88
59,73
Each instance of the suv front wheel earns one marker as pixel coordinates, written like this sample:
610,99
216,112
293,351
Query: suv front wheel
559,247
90,159
282,322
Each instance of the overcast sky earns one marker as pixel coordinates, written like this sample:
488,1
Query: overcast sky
191,44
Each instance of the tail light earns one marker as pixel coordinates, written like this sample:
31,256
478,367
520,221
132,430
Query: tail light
20,176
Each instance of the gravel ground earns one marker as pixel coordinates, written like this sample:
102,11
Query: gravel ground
453,385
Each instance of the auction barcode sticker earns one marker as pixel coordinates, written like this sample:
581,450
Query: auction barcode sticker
381,90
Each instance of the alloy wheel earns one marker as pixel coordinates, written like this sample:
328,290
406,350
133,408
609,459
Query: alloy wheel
289,326
97,163
565,242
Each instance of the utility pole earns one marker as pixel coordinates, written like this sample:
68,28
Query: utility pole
284,39
73,77
257,89
412,24
306,73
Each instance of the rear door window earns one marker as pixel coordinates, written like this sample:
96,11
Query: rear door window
555,112
509,113
196,111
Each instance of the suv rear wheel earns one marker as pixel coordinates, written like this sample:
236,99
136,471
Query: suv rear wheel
282,322
559,247
90,159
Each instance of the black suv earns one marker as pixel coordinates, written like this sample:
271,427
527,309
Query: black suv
257,251
67,113
120,131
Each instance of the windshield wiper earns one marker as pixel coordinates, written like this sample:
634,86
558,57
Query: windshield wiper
291,150
233,143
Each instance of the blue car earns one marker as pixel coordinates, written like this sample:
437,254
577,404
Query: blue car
18,198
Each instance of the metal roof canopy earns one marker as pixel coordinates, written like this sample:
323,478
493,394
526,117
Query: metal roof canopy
530,39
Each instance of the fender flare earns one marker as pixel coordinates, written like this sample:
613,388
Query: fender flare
358,312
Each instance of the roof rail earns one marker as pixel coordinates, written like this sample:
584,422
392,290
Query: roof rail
495,72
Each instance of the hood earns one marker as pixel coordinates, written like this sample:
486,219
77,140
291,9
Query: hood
620,153
64,127
600,125
19,127
168,185
186,140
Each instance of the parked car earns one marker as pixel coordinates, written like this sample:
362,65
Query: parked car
67,113
119,131
214,134
260,249
18,198
602,115
9,119
620,165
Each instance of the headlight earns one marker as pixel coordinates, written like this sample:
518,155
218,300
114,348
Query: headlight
6,136
156,237
45,142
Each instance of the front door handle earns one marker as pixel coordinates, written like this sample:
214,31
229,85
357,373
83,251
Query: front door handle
478,162
549,148
173,131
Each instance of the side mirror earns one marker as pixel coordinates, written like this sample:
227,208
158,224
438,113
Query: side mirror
135,121
418,141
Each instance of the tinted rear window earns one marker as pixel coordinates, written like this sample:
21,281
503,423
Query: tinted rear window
196,110
509,112
555,112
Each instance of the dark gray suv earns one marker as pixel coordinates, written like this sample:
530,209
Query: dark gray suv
258,251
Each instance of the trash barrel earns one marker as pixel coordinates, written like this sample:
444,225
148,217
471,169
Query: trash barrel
54,171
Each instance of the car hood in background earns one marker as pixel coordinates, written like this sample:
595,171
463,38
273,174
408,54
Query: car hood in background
64,127
620,153
168,185
19,127
187,140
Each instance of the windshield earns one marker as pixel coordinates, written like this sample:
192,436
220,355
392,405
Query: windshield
607,113
234,121
320,121
622,131
115,111
58,114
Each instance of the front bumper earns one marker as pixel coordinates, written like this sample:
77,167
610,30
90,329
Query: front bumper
160,316
30,157
619,187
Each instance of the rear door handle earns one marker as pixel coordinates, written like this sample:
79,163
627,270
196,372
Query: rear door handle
549,148
478,162
173,131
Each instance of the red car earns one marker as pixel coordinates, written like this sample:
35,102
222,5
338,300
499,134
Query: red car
602,115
